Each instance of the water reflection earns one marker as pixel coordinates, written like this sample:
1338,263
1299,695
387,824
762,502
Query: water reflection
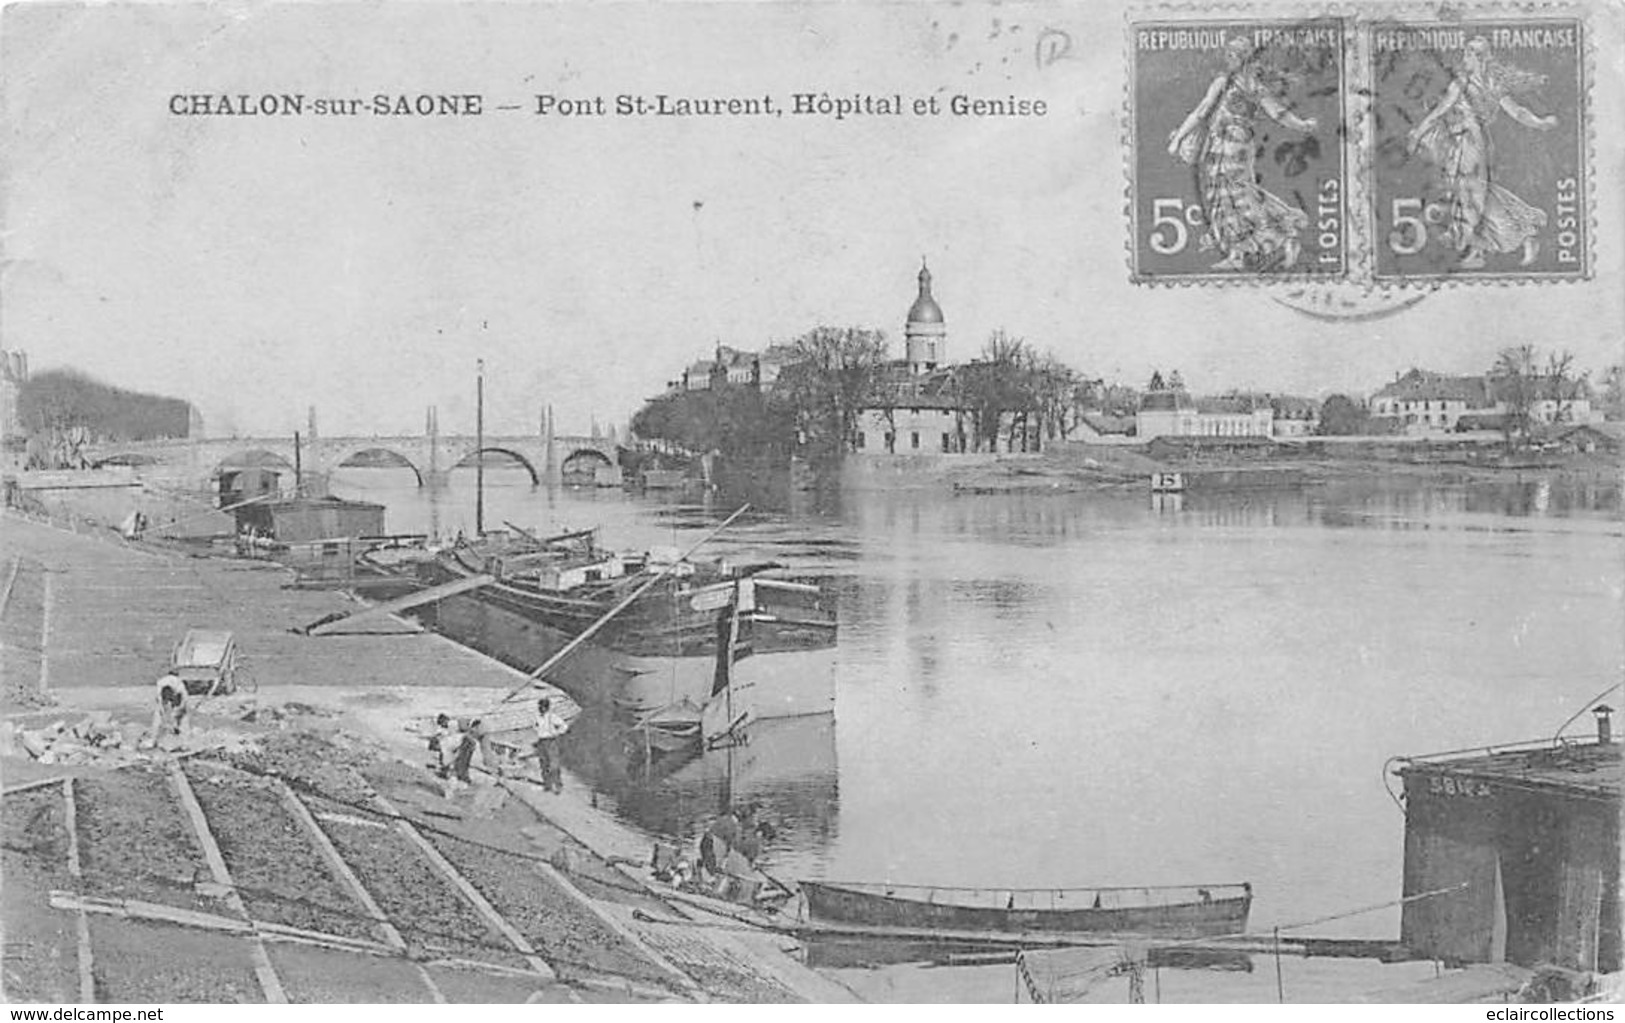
787,765
1385,505
1078,689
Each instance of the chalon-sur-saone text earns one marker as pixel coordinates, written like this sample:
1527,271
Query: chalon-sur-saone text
295,104
838,106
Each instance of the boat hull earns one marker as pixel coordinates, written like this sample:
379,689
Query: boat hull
837,904
783,683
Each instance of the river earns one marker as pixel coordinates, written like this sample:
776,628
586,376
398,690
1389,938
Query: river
1075,690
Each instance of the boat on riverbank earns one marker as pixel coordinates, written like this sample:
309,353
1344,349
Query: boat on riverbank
659,651
1183,911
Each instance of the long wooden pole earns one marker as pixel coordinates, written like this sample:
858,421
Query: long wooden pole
230,507
593,629
479,451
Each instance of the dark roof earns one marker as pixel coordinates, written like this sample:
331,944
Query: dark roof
1611,430
1165,401
1290,406
1580,768
781,353
1422,385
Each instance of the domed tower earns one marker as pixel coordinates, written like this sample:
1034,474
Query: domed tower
925,333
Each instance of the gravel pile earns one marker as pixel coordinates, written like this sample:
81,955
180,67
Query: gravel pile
430,914
566,933
136,843
324,765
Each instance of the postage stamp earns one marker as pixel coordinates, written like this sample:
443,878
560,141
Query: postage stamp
1237,163
1477,165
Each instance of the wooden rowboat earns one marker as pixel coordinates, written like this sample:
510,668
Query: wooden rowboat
1184,911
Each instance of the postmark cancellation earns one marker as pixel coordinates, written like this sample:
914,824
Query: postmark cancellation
1238,164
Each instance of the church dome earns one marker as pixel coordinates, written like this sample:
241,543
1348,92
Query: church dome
925,308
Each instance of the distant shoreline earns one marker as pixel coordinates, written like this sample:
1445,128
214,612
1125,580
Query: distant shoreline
1122,469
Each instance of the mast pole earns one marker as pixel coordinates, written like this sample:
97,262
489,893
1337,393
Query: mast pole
733,640
479,450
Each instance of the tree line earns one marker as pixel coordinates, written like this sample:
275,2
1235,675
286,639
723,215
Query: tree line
1521,381
1010,396
64,400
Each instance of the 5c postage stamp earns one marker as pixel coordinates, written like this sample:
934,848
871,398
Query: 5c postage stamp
1477,166
1237,157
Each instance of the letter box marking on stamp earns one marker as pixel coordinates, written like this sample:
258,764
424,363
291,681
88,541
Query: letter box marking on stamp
1478,165
1237,159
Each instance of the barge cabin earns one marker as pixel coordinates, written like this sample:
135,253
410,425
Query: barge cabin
1528,835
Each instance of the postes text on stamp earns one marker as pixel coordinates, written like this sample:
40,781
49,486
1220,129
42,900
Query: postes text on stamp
1237,160
1477,166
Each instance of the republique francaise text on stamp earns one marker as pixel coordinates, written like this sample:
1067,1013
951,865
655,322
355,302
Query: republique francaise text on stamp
1238,162
1477,166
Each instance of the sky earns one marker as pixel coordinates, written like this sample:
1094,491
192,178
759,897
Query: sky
257,266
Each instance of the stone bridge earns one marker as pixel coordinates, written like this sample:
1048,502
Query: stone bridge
192,463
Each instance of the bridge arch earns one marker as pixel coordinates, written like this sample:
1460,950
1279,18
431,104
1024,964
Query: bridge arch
584,460
377,458
252,458
472,456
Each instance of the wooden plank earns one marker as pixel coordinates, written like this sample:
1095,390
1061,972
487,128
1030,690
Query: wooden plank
38,783
619,986
392,936
136,909
81,922
45,636
336,863
11,580
620,927
466,888
270,984
411,600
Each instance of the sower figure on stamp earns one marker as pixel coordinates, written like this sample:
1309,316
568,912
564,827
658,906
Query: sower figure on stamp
1455,138
1250,227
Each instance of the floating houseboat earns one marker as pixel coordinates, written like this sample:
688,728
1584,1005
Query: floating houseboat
1520,844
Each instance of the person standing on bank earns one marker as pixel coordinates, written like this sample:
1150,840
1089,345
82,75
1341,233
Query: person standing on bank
719,840
458,738
549,727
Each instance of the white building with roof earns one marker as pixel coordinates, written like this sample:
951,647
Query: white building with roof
922,413
1171,412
